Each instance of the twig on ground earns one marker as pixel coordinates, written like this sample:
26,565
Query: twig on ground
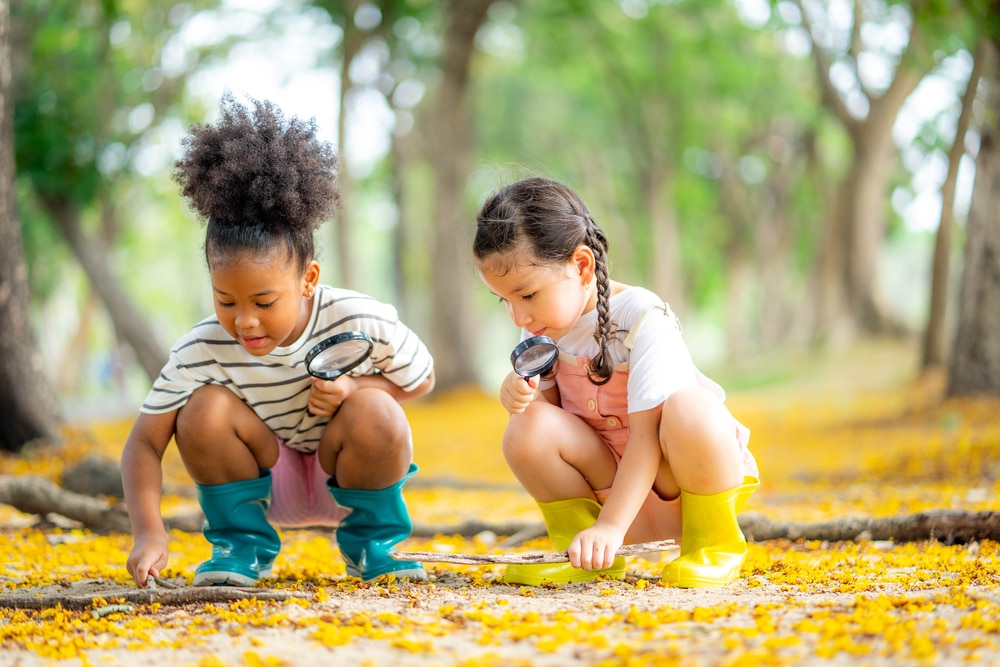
172,597
945,526
531,558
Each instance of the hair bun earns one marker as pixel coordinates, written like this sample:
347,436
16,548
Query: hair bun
255,167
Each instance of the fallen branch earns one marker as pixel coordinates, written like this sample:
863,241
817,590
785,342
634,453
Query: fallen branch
945,526
531,558
136,596
33,494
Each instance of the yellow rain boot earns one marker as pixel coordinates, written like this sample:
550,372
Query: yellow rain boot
563,520
713,547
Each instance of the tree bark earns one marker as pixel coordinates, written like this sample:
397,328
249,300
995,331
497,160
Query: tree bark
666,279
855,251
351,44
975,357
28,406
130,325
449,154
935,335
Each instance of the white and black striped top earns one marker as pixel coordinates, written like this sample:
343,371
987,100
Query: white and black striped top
276,386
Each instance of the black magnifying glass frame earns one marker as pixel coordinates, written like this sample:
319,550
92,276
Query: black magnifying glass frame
534,356
332,357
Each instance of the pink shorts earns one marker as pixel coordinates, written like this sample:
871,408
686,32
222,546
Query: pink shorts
299,495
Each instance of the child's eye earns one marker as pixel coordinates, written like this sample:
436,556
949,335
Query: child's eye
265,305
528,297
223,304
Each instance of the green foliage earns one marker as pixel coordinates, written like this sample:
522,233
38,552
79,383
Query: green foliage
664,98
41,241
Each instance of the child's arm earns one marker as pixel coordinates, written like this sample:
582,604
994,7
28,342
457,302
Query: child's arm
142,479
595,547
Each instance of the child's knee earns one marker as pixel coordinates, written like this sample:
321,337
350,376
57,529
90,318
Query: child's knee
207,411
372,415
694,414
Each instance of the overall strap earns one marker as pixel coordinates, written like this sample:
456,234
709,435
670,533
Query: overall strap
634,329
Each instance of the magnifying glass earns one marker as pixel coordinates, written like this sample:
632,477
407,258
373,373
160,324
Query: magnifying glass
534,356
332,357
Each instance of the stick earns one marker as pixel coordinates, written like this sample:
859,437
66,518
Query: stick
534,557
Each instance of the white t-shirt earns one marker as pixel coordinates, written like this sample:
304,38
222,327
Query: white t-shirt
659,362
276,386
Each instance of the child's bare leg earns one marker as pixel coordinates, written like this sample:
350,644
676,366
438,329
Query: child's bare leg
560,460
555,455
367,450
224,446
698,437
367,443
221,440
700,440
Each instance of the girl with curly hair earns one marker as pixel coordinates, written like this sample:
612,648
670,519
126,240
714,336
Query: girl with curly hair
265,442
625,441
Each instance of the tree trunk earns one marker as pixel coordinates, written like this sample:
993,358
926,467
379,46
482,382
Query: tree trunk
975,357
449,152
666,277
130,325
343,247
28,406
935,334
860,234
867,193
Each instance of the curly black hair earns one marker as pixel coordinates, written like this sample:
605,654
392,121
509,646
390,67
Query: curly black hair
259,180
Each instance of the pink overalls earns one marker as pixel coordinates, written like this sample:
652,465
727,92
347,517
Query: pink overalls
605,409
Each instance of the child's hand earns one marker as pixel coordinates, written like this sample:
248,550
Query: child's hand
325,396
148,558
594,548
516,393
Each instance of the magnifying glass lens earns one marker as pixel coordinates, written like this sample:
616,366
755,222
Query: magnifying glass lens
336,355
534,356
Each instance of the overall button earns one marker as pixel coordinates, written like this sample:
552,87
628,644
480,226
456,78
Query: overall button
612,421
591,405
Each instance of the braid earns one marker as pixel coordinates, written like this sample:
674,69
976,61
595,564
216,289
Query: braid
601,366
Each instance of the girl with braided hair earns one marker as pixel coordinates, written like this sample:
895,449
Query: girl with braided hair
264,441
625,441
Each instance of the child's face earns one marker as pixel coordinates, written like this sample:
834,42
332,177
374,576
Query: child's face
263,302
545,300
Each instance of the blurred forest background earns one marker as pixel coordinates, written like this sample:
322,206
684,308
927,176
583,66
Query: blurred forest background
789,174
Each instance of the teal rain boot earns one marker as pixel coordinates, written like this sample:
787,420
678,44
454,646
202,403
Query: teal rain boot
244,544
378,521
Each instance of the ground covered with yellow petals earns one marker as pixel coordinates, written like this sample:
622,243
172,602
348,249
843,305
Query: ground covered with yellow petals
838,436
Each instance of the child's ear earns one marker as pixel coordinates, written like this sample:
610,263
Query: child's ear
584,262
310,279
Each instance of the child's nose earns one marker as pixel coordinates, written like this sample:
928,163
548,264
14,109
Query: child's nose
245,320
520,316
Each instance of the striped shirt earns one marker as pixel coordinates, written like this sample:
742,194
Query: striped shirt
276,386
